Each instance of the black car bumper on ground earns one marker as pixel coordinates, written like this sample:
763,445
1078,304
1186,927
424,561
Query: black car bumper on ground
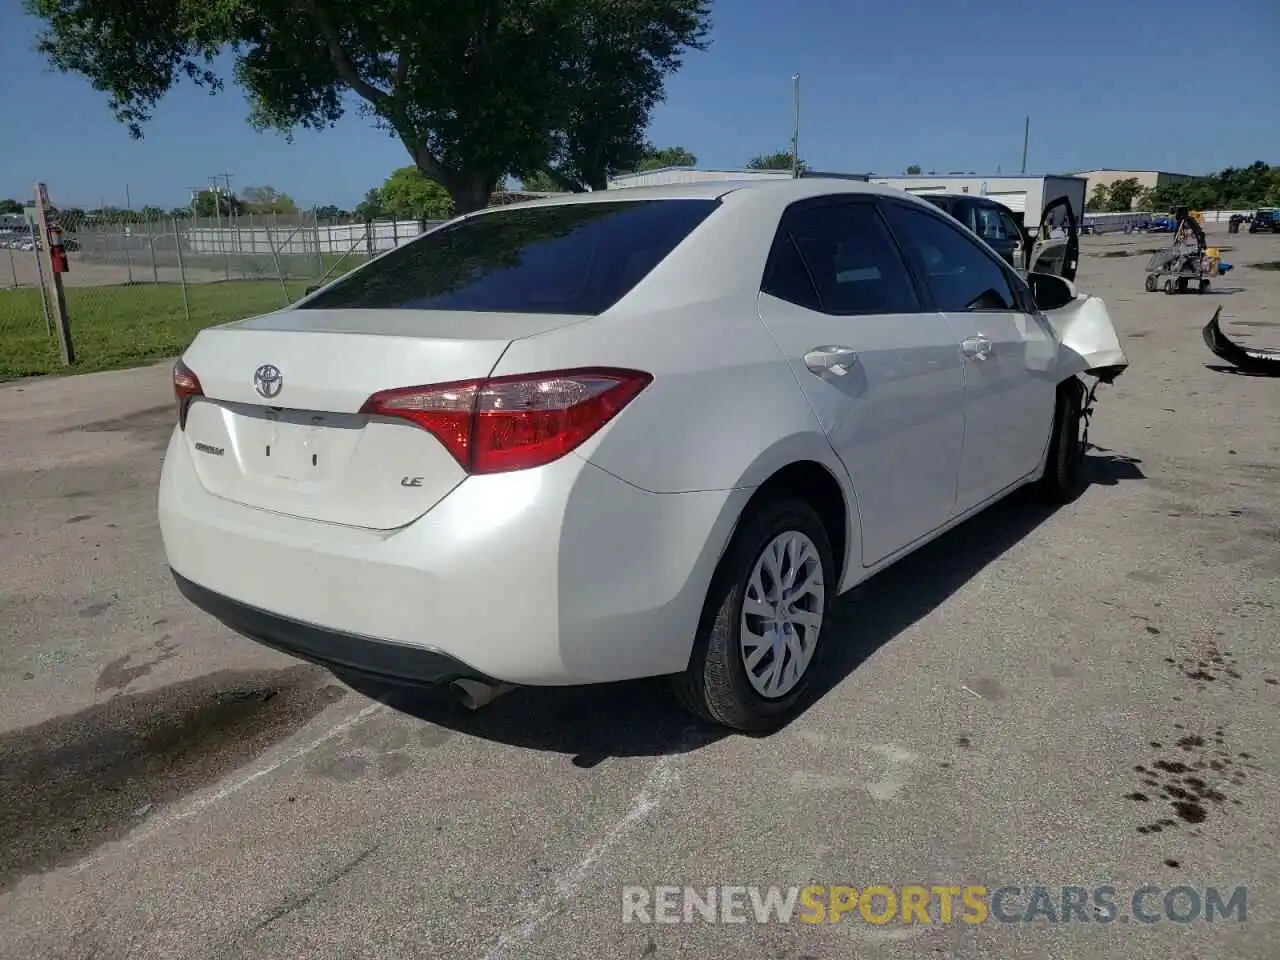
344,653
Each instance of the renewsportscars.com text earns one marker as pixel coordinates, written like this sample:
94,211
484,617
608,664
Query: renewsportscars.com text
911,904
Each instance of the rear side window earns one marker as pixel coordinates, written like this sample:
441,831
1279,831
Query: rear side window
960,272
578,258
787,278
852,258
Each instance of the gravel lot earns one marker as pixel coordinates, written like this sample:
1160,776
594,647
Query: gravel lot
170,790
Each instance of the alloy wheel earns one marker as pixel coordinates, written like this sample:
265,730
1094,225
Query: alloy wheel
782,613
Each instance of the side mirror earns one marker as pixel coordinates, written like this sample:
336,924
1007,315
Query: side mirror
1050,291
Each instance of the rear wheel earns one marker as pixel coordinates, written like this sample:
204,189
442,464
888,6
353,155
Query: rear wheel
1204,285
1151,283
1168,286
1063,478
753,660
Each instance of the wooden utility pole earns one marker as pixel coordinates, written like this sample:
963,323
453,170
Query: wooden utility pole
44,250
1026,139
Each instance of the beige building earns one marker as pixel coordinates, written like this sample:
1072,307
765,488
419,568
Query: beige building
1147,179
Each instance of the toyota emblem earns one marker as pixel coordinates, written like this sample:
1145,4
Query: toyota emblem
268,381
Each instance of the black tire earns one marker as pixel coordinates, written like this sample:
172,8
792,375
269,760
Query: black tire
1204,285
1168,286
1151,283
715,686
1063,479
1182,285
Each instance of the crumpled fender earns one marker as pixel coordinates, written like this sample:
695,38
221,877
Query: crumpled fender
1088,340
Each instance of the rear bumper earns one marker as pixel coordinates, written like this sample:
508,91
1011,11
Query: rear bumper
555,576
345,652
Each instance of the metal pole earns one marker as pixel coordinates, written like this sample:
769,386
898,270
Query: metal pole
151,244
128,227
182,270
795,125
315,222
13,268
44,290
275,254
1026,138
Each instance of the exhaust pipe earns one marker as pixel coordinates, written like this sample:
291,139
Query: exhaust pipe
473,694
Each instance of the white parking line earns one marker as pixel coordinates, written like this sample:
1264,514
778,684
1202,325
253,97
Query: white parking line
203,803
537,912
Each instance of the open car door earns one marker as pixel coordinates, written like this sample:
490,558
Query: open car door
1056,256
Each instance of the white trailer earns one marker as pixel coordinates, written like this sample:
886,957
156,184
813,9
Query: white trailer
1023,195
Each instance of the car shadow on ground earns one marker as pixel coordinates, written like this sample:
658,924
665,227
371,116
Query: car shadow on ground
642,718
879,609
590,724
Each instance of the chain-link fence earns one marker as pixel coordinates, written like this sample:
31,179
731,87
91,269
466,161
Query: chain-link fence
139,289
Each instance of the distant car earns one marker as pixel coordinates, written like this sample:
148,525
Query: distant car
1265,220
1004,233
992,221
620,434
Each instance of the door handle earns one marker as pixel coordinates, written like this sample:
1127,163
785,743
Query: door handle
976,348
834,360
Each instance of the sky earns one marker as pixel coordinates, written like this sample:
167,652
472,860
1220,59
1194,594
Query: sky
946,84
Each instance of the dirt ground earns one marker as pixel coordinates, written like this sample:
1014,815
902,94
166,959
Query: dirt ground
1025,701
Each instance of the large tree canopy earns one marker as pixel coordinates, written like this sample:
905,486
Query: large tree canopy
474,89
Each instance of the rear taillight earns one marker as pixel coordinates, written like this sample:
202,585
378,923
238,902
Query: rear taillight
513,423
186,386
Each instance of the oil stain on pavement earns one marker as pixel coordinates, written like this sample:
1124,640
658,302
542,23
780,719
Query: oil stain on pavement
122,671
78,781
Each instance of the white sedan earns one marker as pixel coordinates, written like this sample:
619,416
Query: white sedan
642,433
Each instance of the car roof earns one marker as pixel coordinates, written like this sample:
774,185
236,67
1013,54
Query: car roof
783,188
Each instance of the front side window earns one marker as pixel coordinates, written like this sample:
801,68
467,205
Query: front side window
852,259
960,272
574,258
990,225
1012,229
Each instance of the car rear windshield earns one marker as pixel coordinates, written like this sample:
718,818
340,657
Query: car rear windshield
575,258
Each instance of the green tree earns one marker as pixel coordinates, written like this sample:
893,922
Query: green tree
473,89
1099,199
331,212
151,214
1122,193
10,206
778,160
657,157
180,213
408,194
913,170
268,200
612,76
371,208
213,203
540,181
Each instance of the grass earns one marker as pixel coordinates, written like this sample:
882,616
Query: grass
125,326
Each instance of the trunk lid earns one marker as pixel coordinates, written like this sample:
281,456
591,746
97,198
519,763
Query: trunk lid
279,426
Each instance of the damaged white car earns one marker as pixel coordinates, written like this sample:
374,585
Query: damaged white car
649,432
